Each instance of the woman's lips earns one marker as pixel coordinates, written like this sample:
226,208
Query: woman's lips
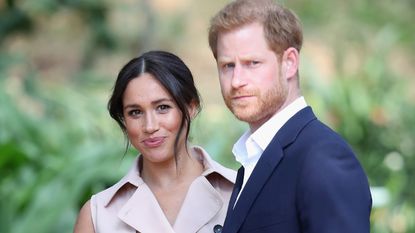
153,142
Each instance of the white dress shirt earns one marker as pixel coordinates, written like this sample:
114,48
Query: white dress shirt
250,146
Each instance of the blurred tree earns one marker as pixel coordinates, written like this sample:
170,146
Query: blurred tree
12,20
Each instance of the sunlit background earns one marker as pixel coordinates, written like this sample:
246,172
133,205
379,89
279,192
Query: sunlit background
59,60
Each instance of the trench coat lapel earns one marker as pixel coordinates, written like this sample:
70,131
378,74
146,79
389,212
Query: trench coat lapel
142,212
201,204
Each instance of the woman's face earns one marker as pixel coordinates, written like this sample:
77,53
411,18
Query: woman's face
152,119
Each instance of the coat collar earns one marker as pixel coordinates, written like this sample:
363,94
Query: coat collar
293,127
211,166
142,210
265,166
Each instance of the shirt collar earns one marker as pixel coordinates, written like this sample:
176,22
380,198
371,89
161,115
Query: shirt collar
250,145
264,134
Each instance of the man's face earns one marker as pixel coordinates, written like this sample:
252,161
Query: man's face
251,79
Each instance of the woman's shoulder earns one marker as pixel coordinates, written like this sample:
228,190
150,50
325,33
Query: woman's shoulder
84,221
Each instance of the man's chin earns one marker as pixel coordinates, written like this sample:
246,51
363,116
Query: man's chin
251,117
242,112
242,115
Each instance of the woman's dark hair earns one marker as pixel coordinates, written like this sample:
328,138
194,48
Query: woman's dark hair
174,76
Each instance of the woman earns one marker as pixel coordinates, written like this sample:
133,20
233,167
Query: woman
171,187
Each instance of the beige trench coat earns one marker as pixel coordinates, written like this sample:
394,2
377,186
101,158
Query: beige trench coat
129,206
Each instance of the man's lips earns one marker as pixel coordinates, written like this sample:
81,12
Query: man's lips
241,97
153,142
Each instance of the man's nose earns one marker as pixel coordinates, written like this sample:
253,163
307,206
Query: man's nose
238,77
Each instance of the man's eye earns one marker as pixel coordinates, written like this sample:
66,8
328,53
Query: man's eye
253,63
228,65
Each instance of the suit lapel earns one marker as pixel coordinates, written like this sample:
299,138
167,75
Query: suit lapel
237,188
264,168
268,162
235,192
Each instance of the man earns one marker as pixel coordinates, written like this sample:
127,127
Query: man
297,174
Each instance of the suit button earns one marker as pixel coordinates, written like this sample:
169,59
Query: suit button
217,228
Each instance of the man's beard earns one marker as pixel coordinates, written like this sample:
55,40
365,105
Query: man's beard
261,108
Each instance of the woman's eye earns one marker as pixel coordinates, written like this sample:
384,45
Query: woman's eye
163,108
134,112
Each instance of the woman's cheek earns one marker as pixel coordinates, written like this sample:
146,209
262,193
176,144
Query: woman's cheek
133,131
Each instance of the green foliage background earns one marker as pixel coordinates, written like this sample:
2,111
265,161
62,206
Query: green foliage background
59,59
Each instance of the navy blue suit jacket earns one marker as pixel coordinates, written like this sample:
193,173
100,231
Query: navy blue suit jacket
307,180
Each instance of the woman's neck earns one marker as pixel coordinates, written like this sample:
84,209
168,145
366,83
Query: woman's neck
171,173
170,182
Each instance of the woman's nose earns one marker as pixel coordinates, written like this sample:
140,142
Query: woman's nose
151,123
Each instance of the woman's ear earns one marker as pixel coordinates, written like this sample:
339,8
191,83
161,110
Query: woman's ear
290,62
192,109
